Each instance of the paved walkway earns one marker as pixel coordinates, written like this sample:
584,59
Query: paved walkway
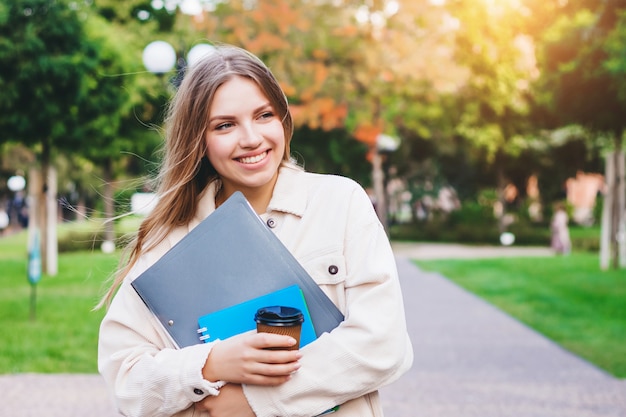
471,360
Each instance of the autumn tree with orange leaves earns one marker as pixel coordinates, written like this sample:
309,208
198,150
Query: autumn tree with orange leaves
343,64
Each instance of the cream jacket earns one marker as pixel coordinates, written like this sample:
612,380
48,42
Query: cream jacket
329,225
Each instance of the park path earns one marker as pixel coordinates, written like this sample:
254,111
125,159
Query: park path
471,360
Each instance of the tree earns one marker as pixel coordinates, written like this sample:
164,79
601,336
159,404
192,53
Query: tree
112,101
491,44
582,70
42,76
66,88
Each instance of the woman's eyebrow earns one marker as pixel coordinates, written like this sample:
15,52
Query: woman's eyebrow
264,106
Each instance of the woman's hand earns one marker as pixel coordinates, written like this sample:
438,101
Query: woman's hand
231,402
244,359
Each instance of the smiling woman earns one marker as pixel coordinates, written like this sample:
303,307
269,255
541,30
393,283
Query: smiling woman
228,130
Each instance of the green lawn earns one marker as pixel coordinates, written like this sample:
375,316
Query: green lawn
63,336
568,299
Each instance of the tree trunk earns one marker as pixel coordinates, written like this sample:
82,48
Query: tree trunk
605,232
621,227
43,211
42,203
612,240
614,210
620,188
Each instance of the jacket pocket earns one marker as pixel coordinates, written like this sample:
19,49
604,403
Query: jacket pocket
329,272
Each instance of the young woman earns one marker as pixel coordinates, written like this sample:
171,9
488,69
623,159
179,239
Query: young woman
229,129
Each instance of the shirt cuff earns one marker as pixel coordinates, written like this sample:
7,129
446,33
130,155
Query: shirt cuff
197,387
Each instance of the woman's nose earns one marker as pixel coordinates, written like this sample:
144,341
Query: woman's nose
250,136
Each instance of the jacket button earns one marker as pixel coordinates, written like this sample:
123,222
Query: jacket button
271,223
198,391
333,269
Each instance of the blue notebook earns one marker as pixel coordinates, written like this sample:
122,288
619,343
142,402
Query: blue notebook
239,318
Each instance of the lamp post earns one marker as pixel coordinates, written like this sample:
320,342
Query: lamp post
384,144
159,57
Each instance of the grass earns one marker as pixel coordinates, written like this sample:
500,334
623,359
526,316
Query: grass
568,299
63,336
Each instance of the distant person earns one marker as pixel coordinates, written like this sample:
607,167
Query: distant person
18,210
560,242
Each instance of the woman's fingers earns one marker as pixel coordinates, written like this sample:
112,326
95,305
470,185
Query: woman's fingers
271,340
246,359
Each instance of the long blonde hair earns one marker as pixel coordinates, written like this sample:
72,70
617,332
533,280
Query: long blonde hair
185,170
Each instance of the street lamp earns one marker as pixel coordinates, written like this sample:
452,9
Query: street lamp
384,144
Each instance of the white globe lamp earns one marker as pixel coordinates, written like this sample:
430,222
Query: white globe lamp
159,57
507,238
197,52
16,183
108,246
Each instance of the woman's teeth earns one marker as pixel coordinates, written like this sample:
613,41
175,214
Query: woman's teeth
252,159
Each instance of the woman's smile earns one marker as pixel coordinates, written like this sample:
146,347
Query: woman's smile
252,159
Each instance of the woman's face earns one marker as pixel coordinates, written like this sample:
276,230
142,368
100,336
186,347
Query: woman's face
245,141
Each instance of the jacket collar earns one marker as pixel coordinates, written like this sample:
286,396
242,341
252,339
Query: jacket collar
290,196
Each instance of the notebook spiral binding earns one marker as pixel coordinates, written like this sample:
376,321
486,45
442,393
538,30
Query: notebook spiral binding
203,337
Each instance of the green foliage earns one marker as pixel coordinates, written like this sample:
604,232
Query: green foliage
42,67
333,152
75,241
108,88
568,299
88,235
531,234
493,101
67,80
581,53
615,48
474,223
585,239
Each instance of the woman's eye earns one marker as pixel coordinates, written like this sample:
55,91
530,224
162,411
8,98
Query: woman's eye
267,115
223,126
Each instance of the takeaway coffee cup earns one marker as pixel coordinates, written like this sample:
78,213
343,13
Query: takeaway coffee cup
280,320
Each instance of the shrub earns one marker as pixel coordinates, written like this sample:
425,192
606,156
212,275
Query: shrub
80,240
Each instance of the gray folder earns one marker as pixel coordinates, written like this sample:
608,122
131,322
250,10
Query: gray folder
229,258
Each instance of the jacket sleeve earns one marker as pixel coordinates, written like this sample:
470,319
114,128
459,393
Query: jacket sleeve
141,366
370,348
